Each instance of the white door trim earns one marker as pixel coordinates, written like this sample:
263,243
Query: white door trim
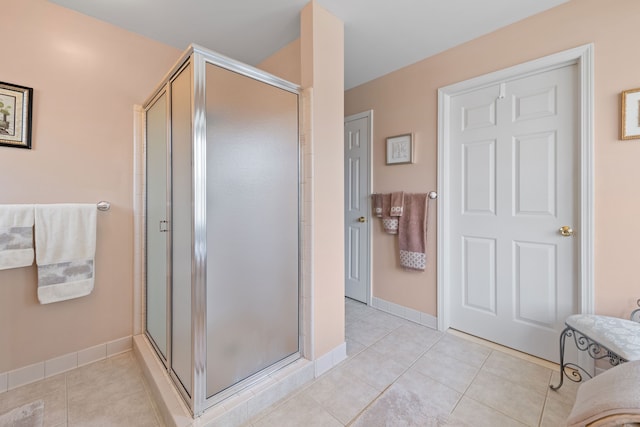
582,56
369,115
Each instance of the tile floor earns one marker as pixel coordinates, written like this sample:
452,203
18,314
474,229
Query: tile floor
110,392
398,373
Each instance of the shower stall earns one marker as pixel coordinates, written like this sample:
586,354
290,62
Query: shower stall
222,225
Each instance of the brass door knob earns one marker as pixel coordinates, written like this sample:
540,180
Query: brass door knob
566,231
362,219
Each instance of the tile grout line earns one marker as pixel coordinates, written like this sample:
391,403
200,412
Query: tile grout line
396,379
464,393
546,398
355,418
498,410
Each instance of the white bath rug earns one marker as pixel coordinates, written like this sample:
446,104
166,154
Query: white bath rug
29,415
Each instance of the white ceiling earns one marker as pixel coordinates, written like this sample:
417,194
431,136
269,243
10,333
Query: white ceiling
380,35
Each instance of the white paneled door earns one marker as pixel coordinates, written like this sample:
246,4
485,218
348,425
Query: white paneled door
357,135
514,185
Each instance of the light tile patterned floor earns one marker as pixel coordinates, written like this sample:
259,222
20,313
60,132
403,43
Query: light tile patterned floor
397,374
401,374
111,392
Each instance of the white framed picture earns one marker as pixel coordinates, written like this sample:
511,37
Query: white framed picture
400,149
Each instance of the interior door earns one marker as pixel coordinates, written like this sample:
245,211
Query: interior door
513,172
357,206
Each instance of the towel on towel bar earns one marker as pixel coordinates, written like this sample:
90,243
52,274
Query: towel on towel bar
65,250
412,232
389,223
16,236
377,205
397,203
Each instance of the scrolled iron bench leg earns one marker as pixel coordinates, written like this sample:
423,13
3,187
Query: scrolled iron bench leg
563,338
593,348
571,370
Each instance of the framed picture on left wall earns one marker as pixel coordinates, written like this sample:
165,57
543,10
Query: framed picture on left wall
15,115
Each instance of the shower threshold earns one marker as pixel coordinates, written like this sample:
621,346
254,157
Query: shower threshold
237,409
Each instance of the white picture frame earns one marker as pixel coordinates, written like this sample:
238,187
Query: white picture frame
630,126
400,149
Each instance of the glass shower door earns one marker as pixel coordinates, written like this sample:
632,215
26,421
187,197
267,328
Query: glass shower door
252,227
156,223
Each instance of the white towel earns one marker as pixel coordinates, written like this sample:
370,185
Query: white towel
65,250
16,236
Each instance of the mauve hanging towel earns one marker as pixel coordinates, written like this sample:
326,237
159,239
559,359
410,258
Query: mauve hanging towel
389,223
65,250
412,232
397,203
377,204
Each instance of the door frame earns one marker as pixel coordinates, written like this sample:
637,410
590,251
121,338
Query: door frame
583,56
369,116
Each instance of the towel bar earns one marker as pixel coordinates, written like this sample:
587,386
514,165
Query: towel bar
431,194
103,206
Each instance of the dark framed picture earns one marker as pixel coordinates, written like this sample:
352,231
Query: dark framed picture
15,115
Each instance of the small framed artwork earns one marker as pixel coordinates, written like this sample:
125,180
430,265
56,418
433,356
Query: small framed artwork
630,126
15,115
400,149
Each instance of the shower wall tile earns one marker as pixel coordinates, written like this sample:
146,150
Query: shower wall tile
211,415
306,170
267,396
236,410
139,156
308,165
169,405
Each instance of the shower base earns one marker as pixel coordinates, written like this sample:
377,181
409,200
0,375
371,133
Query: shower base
235,410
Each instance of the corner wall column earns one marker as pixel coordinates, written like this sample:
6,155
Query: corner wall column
322,69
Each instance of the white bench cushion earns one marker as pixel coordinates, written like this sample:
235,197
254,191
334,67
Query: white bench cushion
621,336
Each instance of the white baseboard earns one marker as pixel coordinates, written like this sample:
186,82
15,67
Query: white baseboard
327,361
405,312
57,365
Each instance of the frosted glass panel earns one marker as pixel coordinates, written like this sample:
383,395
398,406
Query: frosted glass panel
252,226
181,220
156,267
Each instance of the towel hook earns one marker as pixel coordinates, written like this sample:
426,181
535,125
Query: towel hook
103,206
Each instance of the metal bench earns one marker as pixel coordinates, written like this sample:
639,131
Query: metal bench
602,337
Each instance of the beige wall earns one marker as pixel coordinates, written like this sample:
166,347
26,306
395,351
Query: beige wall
86,76
322,68
316,60
406,101
285,63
